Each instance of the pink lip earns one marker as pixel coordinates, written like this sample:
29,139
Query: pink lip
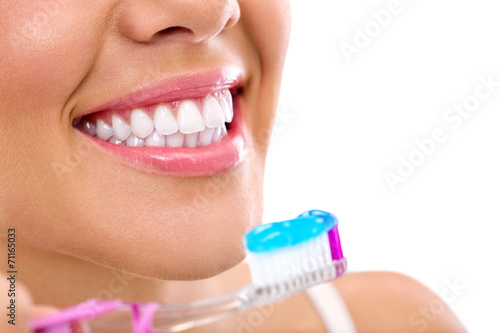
182,162
195,85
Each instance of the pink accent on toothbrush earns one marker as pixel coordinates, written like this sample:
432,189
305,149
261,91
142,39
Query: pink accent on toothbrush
142,316
335,247
59,323
142,321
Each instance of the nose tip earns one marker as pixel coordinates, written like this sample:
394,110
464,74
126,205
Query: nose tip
146,21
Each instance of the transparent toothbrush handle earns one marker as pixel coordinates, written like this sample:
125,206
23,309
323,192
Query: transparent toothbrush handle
177,318
172,318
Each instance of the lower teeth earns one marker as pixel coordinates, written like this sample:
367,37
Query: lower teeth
176,140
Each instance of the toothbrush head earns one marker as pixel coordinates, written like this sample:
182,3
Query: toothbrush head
289,250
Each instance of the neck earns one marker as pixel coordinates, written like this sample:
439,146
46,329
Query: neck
61,281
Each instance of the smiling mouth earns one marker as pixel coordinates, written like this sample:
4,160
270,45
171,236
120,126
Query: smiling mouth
189,126
189,123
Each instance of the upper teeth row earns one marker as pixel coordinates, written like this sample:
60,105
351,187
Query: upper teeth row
216,110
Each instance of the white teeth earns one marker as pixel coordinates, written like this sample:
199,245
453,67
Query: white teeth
206,136
217,135
116,141
191,140
155,140
103,130
228,97
227,105
121,128
175,140
165,122
212,112
89,128
191,127
134,141
142,125
189,118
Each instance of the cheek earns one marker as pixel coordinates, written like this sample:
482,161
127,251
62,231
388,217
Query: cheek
268,25
47,48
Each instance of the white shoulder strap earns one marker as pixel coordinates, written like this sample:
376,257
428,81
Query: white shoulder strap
331,308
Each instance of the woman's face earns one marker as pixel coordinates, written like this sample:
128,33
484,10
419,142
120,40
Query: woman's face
89,88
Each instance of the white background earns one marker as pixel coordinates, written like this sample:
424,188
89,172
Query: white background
342,125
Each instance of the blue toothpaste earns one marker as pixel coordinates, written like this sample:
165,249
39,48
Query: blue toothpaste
274,236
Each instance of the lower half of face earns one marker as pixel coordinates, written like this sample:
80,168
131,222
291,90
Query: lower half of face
139,146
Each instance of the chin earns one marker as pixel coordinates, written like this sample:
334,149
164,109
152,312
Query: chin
194,234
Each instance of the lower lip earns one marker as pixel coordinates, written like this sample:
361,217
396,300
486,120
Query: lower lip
184,162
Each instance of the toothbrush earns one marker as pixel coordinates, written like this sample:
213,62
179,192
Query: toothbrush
284,258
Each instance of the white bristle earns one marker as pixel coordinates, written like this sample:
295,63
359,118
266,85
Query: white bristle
291,263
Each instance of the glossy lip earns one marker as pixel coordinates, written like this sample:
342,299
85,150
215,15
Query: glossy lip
185,86
181,162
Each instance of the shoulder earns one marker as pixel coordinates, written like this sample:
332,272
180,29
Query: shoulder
392,302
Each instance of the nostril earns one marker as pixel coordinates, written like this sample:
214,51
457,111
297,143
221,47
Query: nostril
175,30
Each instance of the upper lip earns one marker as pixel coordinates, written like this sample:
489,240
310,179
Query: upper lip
184,86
